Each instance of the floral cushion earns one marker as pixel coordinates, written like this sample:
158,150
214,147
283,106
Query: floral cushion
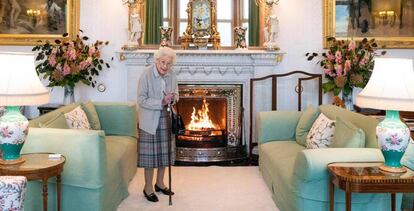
77,119
12,192
321,134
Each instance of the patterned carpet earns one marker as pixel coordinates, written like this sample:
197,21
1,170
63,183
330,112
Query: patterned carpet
206,189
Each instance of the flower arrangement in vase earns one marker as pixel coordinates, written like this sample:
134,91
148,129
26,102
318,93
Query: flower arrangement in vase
346,64
67,62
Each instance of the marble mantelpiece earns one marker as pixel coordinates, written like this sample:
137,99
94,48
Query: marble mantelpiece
208,67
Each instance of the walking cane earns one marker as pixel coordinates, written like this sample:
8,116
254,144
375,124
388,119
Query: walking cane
169,151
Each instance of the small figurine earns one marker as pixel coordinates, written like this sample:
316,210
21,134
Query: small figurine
271,28
135,27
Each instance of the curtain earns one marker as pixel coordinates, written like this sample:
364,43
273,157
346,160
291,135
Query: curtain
153,11
253,24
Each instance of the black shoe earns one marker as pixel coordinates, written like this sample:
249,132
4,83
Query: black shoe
152,197
165,191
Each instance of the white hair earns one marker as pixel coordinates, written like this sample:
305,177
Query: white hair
165,51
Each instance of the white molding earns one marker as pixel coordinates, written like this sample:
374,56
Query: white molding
208,67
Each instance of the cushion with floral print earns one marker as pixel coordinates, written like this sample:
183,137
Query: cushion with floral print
77,119
12,192
321,134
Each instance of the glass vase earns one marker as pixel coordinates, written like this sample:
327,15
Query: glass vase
69,95
348,101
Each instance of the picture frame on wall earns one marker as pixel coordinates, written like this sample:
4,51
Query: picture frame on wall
391,23
31,22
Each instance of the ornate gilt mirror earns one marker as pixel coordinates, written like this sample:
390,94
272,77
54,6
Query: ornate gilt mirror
202,25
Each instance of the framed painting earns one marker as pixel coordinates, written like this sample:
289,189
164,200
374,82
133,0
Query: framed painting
391,23
26,22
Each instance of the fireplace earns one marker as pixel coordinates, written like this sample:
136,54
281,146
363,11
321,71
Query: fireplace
212,116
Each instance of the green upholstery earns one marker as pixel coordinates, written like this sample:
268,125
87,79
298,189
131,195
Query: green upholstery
297,177
90,112
116,120
305,124
51,115
98,166
59,122
366,123
347,135
274,126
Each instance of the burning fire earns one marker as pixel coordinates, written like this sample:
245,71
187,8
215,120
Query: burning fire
200,119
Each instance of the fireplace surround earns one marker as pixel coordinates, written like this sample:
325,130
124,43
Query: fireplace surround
212,116
212,67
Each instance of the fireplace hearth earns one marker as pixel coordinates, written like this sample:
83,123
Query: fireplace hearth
213,123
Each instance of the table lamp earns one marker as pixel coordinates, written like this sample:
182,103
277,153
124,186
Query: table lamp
19,86
391,88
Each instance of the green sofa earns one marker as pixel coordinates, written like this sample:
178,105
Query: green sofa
99,163
298,177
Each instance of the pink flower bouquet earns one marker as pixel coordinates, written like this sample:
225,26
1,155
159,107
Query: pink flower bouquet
347,64
69,61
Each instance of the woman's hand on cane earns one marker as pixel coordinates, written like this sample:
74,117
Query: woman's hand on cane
168,98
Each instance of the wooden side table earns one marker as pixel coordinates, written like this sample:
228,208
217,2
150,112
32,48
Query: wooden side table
38,166
367,178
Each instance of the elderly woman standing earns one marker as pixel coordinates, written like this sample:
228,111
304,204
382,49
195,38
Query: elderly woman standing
156,89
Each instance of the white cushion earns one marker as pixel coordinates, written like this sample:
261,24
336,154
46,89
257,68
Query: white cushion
321,134
77,119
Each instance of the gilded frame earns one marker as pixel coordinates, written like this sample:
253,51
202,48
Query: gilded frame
329,29
71,22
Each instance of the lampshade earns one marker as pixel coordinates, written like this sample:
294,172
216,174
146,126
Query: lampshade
19,83
391,86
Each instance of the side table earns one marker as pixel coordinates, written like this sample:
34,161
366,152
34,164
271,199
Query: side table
38,166
367,178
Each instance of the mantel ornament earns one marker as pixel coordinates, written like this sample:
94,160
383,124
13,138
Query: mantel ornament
271,29
135,24
202,25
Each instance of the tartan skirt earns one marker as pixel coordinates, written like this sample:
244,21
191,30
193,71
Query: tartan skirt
153,149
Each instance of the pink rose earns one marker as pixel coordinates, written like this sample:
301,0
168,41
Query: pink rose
351,45
91,51
347,66
330,56
72,54
338,69
52,60
85,64
338,57
66,69
54,51
59,67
